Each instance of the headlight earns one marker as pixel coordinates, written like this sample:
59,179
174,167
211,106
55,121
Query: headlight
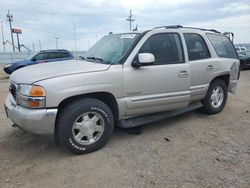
7,65
31,90
31,96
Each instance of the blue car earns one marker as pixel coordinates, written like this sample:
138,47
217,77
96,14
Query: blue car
43,56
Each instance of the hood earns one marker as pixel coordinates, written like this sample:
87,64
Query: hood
23,62
44,71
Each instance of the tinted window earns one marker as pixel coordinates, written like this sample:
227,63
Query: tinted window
38,57
65,55
57,55
197,48
51,55
223,46
166,48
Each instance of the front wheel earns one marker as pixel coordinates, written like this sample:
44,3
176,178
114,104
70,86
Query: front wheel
84,126
216,97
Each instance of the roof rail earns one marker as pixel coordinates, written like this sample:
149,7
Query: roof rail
180,26
202,29
169,27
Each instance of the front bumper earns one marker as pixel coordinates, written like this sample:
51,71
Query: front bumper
7,70
39,122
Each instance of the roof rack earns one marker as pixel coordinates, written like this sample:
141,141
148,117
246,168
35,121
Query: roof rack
53,50
202,29
169,27
180,26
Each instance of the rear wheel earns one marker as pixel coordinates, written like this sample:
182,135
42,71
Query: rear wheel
84,126
216,97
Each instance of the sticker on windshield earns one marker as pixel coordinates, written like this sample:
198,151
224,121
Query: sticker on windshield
127,36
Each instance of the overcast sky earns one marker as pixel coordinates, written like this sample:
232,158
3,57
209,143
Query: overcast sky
44,20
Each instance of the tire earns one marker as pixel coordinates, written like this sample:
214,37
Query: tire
217,92
81,119
242,65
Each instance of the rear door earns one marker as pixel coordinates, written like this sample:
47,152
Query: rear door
162,86
202,66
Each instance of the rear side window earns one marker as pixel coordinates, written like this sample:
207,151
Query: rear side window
52,55
222,45
166,47
56,55
65,55
196,46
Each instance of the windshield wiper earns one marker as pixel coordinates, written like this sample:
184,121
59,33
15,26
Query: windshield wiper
95,58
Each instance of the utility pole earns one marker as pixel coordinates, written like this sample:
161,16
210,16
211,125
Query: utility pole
40,45
130,19
10,19
18,42
56,42
75,35
33,46
3,41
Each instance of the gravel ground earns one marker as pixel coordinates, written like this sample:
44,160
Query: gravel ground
191,150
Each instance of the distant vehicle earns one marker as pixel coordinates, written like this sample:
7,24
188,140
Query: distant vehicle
43,56
240,49
244,57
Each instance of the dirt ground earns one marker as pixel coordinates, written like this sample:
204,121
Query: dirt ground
191,150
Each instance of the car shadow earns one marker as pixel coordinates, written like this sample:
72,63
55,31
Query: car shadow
21,143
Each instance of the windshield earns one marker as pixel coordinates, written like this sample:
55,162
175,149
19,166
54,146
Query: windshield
30,56
111,48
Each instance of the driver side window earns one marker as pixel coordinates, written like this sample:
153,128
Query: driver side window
166,48
39,57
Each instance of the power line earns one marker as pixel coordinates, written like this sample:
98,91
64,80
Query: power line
82,14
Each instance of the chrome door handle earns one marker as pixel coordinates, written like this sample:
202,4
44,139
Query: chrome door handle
182,74
210,67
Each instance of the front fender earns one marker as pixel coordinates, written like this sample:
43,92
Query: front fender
59,88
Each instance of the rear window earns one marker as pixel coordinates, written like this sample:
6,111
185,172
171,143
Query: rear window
222,45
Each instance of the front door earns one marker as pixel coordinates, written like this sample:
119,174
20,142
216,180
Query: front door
162,86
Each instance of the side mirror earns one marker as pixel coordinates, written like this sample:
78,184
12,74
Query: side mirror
33,59
143,59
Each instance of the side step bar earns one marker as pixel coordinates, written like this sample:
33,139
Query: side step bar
151,118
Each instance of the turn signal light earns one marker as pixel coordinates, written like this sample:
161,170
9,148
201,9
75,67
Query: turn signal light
37,91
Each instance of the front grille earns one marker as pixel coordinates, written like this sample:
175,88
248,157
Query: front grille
13,90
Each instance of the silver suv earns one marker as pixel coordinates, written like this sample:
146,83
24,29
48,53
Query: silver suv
124,80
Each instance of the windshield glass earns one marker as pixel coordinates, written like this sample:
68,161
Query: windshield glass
111,48
31,56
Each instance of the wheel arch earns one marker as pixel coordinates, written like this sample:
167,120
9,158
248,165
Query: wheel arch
105,97
225,77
